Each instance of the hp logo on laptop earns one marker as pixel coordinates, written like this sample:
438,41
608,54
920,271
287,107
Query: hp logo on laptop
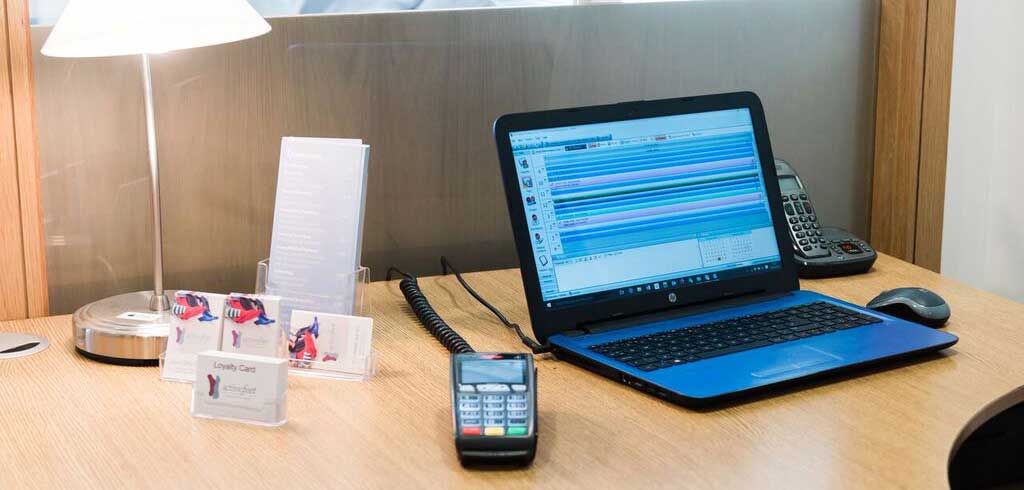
671,297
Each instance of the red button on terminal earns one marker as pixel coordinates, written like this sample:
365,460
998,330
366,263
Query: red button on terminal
471,431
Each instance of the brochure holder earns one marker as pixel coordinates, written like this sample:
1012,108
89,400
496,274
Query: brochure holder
349,298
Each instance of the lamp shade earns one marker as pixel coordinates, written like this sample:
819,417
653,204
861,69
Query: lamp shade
93,28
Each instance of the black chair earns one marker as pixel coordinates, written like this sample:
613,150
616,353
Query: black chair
989,452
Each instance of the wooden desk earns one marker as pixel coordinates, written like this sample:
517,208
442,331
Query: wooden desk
69,421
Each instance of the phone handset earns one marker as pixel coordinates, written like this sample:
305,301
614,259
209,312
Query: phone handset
801,215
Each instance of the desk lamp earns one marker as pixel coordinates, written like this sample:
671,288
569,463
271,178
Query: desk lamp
132,328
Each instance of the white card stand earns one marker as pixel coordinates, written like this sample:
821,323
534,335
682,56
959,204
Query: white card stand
247,389
352,287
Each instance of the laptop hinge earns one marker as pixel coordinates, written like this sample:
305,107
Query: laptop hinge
678,312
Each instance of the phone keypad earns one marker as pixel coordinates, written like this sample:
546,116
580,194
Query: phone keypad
804,228
495,410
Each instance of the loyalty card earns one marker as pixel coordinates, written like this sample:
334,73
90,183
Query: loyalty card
251,325
240,387
338,342
195,327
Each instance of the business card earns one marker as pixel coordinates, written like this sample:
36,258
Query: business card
334,342
251,325
240,387
195,326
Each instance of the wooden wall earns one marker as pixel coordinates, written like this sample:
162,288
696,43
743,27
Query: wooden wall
422,88
912,124
23,287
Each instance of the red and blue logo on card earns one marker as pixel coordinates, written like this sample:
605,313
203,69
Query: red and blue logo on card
192,305
302,345
242,309
214,386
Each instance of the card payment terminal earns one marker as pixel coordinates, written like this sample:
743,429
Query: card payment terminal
494,407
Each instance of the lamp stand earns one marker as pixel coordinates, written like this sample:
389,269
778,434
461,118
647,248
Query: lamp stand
131,328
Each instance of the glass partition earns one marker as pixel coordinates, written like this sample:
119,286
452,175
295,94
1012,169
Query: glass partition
422,89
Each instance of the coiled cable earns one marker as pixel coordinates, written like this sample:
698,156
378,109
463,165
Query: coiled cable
429,318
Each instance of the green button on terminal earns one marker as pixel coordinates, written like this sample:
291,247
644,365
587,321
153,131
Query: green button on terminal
516,431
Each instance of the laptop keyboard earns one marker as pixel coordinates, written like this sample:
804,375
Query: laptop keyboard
674,347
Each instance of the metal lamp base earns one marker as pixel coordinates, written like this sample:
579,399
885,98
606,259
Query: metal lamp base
123,329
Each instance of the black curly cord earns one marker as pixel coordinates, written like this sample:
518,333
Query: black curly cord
395,270
429,318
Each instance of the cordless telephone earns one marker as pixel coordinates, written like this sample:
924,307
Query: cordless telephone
820,251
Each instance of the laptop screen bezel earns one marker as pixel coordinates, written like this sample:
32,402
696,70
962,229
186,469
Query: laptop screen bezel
547,322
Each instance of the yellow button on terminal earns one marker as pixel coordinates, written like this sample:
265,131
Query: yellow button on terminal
494,431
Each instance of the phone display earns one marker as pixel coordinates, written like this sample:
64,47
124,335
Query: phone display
789,183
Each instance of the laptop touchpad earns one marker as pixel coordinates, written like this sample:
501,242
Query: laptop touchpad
797,358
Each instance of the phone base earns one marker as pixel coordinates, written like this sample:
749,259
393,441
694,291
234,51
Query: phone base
848,255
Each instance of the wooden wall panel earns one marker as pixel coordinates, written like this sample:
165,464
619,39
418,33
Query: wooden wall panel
901,44
422,88
23,289
12,258
29,187
931,191
915,56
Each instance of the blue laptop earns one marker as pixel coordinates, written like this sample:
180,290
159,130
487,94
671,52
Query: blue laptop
654,251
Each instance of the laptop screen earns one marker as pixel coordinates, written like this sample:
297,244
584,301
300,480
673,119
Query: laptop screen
635,207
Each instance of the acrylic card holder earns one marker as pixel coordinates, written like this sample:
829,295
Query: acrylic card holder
324,313
195,326
240,388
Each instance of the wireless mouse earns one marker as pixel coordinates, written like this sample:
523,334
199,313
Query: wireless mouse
916,305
